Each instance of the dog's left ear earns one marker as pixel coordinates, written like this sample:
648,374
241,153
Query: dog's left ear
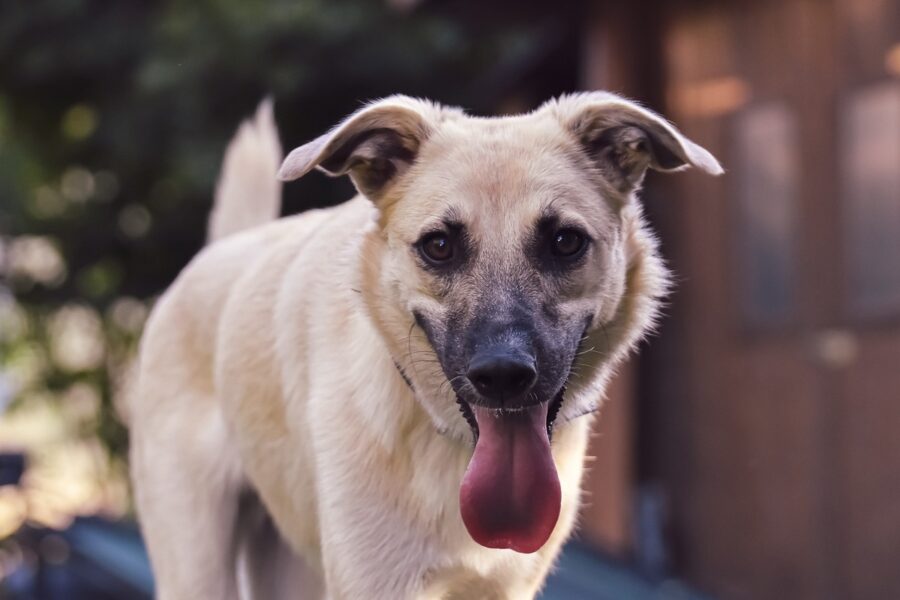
624,139
375,145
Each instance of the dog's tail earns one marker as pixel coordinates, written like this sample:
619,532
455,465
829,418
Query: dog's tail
248,192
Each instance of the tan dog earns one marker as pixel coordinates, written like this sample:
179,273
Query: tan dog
400,378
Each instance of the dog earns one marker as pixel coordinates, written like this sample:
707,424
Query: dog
402,384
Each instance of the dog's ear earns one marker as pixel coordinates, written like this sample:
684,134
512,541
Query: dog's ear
374,145
624,139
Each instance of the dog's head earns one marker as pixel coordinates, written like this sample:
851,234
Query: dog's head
509,271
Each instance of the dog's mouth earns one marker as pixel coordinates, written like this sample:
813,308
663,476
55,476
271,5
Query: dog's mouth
510,495
552,412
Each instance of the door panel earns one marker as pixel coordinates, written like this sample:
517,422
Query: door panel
779,429
868,88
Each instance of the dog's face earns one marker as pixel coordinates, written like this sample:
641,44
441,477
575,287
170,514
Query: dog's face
509,255
508,271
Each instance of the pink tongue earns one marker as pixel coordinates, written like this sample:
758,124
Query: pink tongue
510,496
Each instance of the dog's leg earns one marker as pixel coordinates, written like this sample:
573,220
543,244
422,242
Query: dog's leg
267,568
187,488
370,550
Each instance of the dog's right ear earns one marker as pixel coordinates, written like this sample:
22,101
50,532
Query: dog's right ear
624,139
374,145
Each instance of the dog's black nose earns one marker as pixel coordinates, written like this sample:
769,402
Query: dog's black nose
499,377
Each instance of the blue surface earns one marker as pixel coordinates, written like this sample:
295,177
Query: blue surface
583,574
117,549
108,561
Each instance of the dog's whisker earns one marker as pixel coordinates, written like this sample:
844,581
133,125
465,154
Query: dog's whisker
449,382
605,331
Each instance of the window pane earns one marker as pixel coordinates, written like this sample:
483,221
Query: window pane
871,161
766,180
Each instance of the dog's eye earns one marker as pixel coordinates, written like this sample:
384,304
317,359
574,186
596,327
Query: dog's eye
568,243
437,247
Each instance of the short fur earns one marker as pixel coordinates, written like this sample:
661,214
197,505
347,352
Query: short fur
312,360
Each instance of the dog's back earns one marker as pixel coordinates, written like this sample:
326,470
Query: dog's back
173,402
185,319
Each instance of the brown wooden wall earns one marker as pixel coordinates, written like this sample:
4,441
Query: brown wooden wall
769,406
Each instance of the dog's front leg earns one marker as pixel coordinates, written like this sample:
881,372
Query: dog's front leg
187,496
371,548
375,561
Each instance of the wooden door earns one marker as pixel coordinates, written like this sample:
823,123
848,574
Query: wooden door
774,388
868,390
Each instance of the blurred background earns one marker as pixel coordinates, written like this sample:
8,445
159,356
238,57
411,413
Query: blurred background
750,451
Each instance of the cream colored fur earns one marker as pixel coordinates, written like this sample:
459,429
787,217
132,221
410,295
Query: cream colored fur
246,194
271,362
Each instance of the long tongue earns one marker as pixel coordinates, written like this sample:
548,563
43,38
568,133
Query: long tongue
510,495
